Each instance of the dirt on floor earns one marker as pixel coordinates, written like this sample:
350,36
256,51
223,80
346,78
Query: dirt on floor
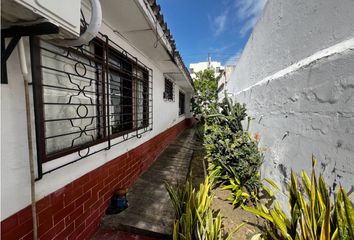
231,217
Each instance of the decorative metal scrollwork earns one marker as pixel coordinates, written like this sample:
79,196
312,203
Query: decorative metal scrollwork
84,155
126,136
90,98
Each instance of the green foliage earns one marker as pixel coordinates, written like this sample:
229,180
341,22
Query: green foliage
228,115
312,216
205,85
194,217
199,131
232,151
238,195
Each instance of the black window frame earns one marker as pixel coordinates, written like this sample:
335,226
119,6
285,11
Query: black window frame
169,93
130,81
105,134
181,103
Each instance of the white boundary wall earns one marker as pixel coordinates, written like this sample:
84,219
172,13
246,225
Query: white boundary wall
296,76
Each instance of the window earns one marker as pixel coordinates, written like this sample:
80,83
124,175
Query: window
86,96
181,103
128,87
191,70
169,90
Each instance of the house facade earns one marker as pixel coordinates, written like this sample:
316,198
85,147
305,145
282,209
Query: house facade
296,76
201,66
98,116
224,79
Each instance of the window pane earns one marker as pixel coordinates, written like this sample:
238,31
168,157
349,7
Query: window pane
121,108
70,95
84,96
181,103
168,94
140,97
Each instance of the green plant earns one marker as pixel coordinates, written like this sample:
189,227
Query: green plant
199,131
205,99
233,155
228,114
194,217
238,194
312,216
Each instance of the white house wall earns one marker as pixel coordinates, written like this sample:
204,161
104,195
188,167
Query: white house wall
296,76
15,174
15,179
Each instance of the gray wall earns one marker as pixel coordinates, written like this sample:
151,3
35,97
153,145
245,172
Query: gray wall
296,76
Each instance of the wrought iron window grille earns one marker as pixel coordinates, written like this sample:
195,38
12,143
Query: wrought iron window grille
169,93
181,102
85,96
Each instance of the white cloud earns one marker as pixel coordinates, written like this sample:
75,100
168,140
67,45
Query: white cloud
233,59
219,23
249,11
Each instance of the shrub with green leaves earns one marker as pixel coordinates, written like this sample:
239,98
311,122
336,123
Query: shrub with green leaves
205,85
312,215
231,151
199,131
228,114
238,195
194,217
233,155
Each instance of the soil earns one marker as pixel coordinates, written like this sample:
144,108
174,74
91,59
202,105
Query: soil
231,217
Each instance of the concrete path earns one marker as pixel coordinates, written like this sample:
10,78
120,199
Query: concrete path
150,211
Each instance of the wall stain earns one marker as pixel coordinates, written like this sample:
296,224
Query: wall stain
323,166
334,185
282,170
285,135
334,168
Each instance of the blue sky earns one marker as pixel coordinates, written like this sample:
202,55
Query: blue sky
218,27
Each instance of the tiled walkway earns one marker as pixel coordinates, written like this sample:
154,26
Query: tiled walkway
150,212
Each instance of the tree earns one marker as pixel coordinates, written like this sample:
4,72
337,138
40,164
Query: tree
206,89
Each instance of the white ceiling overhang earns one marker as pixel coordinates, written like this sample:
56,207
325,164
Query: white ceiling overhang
135,21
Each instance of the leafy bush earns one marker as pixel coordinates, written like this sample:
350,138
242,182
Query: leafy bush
312,216
232,152
228,114
194,217
233,155
206,85
199,131
238,195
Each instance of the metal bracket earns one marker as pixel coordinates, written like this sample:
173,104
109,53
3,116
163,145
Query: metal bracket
42,28
5,54
15,33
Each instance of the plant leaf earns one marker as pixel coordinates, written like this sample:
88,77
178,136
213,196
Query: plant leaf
258,213
272,183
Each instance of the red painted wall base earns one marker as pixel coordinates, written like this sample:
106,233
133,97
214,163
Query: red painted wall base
75,211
